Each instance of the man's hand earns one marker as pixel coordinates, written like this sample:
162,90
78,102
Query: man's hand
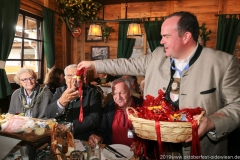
89,65
205,126
93,140
68,95
133,146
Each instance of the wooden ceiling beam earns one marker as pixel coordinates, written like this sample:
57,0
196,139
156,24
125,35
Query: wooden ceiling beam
107,2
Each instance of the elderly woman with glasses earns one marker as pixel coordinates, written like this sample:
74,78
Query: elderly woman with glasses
30,99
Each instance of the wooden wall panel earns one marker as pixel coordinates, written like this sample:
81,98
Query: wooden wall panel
51,4
169,7
147,9
31,7
232,7
112,12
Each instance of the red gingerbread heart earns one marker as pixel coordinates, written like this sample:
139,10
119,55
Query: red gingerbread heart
77,32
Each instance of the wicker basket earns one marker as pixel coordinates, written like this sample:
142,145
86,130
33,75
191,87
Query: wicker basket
174,132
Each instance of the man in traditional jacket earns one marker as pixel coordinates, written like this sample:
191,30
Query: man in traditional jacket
65,106
191,76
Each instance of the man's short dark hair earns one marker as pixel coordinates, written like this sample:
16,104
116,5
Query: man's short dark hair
187,23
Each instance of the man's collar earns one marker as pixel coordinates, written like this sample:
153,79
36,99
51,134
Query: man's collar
188,58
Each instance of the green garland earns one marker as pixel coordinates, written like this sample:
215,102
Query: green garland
106,31
204,33
76,12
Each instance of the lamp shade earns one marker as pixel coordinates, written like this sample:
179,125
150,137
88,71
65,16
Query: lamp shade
94,31
134,30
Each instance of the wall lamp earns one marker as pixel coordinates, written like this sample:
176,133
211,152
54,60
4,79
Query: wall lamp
134,30
95,30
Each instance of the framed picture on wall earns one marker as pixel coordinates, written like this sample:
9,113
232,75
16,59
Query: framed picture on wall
99,52
95,39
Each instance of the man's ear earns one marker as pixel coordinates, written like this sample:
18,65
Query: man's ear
186,37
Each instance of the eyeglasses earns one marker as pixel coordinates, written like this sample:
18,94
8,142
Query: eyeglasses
26,79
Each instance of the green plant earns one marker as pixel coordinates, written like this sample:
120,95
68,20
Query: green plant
76,12
106,31
204,33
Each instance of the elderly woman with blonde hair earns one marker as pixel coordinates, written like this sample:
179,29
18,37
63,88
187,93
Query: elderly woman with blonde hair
30,99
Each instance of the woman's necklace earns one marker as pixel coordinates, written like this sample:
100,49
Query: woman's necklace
37,94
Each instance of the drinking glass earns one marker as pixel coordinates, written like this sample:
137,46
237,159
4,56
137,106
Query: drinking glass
68,125
94,153
76,155
24,153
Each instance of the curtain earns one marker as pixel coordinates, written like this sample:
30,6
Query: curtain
49,36
227,34
8,19
125,45
153,31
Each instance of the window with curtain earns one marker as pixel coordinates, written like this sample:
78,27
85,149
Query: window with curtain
27,46
141,47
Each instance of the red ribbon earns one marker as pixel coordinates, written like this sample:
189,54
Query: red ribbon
167,113
158,132
80,73
195,148
80,118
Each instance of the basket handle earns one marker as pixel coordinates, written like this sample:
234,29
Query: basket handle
200,116
134,110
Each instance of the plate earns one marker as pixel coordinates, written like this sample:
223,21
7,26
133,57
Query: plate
125,150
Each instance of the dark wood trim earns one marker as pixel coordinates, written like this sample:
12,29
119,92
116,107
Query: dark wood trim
107,2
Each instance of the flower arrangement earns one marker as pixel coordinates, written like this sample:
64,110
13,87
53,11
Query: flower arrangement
106,31
204,33
76,12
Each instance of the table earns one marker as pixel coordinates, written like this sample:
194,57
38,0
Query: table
29,138
13,139
35,140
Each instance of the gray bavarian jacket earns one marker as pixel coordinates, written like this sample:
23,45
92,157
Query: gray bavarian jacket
212,82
